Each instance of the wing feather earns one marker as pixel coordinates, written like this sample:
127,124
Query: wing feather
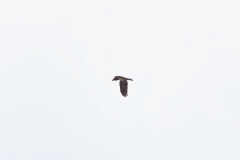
123,87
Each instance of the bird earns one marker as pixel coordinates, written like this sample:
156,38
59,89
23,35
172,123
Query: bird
123,84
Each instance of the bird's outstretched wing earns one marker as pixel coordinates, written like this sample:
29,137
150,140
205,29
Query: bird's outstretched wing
123,87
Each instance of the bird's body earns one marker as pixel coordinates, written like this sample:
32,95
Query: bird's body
123,84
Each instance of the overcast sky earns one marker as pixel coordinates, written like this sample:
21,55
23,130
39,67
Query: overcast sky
58,100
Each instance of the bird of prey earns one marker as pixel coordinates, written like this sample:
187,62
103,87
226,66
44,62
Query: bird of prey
123,84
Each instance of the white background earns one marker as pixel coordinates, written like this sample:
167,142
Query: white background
58,100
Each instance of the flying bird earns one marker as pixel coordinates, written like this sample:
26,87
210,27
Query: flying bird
123,84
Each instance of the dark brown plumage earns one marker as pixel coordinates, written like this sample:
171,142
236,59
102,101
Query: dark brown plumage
123,84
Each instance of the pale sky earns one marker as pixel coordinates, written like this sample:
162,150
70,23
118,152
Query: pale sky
58,100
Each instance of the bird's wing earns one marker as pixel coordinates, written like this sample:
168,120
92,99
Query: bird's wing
124,87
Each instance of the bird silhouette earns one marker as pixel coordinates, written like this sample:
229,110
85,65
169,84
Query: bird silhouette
123,84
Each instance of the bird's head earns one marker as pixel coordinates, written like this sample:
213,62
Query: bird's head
116,78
